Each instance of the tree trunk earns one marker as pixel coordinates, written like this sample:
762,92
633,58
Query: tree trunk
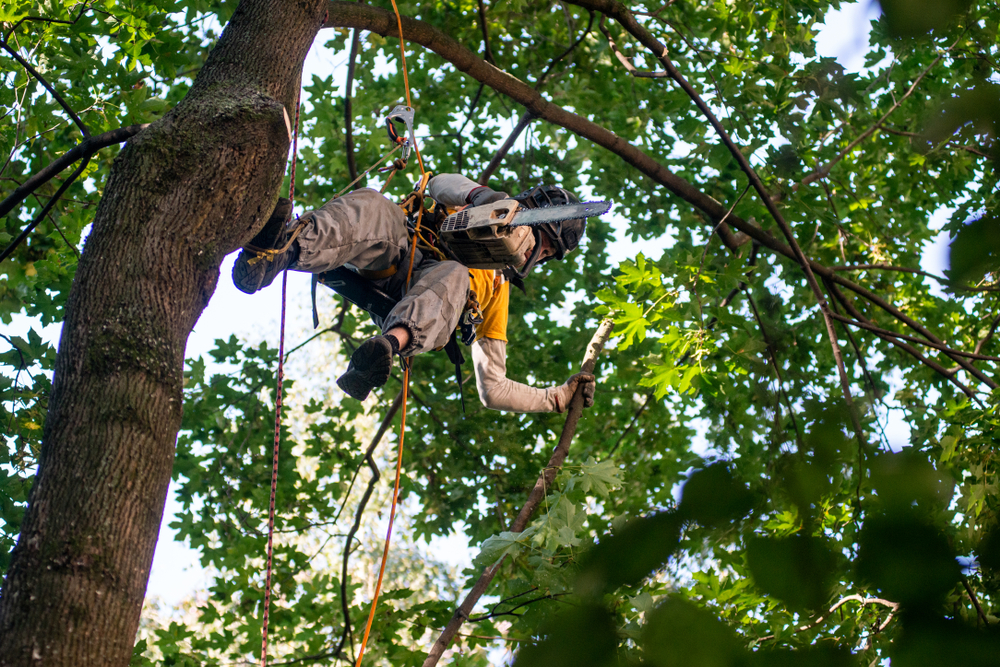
182,194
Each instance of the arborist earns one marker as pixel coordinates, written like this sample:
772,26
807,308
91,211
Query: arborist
367,233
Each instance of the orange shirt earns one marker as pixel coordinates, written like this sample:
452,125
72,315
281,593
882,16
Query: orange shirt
492,291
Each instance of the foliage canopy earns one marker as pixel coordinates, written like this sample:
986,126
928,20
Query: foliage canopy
743,510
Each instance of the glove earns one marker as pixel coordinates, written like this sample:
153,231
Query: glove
589,385
484,195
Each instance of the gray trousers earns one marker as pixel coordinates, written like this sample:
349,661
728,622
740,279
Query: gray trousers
364,230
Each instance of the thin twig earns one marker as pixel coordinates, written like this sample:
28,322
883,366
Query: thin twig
45,19
825,169
498,157
949,142
913,339
84,149
344,581
528,116
904,269
510,612
975,600
487,51
772,354
52,91
48,207
631,68
55,224
989,334
352,167
635,418
909,349
543,79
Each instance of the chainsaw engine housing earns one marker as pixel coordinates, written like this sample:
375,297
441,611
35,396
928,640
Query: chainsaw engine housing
481,237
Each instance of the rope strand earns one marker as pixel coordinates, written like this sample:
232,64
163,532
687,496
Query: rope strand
277,408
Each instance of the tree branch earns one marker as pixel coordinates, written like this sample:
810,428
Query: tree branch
382,22
487,51
909,349
45,210
825,169
635,418
501,153
543,483
84,149
352,167
52,91
975,600
971,149
386,422
625,18
912,339
625,61
989,334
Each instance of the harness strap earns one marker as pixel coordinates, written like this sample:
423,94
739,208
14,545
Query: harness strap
270,253
378,275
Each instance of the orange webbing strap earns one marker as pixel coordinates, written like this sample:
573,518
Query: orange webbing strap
425,177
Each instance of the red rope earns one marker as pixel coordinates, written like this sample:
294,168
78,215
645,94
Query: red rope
277,412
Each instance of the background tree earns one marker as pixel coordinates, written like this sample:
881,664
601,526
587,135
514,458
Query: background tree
784,347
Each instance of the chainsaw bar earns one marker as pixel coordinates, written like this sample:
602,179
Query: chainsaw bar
540,216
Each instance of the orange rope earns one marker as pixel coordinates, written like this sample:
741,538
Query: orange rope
399,459
424,177
406,80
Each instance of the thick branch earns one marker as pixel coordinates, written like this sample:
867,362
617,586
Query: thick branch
382,22
84,149
534,498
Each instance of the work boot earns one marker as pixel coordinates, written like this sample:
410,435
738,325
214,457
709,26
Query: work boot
369,367
252,272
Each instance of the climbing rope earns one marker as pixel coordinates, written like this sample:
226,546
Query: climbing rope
268,255
277,407
424,178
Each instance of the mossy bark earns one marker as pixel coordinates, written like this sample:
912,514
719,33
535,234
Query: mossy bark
182,194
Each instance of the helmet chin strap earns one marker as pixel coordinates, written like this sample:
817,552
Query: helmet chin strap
533,259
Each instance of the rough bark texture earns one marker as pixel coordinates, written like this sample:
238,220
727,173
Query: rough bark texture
181,195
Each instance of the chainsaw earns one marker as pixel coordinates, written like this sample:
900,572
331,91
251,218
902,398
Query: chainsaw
498,234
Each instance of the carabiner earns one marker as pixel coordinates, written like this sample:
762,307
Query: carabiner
405,114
